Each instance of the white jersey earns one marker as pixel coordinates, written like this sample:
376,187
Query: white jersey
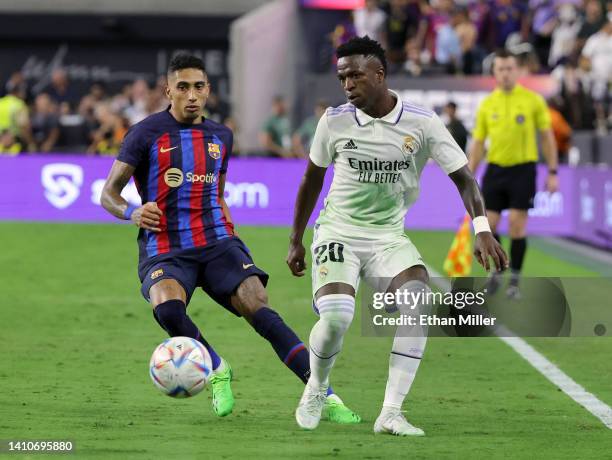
378,163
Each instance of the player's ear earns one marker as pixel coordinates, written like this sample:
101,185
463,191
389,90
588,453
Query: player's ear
167,91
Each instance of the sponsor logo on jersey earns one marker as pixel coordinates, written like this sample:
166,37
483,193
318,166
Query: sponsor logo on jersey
157,273
350,145
520,119
214,150
378,165
379,171
173,177
323,272
164,149
410,146
209,178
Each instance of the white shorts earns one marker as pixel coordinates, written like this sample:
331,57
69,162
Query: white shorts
341,257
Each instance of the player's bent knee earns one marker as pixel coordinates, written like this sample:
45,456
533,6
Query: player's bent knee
335,288
250,297
337,311
166,290
414,273
414,297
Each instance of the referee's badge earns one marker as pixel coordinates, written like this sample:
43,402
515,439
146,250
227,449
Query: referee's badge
410,145
520,119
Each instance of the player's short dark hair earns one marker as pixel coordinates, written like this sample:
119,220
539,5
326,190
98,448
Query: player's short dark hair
364,46
452,105
185,61
503,53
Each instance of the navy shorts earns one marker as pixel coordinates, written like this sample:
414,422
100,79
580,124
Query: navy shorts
218,269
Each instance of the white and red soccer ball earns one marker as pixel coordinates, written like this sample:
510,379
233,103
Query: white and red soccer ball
180,367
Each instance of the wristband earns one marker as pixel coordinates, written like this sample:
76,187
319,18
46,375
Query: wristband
481,224
127,214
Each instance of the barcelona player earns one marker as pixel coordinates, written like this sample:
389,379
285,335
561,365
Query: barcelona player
179,161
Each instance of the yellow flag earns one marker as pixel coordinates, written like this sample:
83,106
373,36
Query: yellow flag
459,259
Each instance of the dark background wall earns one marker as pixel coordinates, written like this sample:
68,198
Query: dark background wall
111,49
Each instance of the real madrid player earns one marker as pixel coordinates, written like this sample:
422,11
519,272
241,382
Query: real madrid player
512,117
378,145
179,162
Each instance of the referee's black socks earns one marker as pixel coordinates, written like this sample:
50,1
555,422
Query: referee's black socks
518,247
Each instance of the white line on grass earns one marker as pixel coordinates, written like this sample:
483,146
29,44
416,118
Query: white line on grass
549,370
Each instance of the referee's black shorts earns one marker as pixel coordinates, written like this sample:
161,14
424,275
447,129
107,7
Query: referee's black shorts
509,187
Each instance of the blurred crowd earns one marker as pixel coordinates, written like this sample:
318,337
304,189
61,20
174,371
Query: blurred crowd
569,39
60,119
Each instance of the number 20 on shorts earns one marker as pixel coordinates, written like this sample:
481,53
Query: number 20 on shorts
332,251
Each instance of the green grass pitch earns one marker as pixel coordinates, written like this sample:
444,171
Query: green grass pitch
77,337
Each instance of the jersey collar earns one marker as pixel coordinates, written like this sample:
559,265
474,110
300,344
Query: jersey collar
391,118
513,91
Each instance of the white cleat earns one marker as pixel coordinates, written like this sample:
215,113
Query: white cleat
393,422
308,412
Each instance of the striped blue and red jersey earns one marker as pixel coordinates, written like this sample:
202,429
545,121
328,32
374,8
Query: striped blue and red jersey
179,166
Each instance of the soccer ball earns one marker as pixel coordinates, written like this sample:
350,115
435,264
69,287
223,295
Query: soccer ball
180,367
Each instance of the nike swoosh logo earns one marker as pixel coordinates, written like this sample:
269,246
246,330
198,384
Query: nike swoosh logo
245,266
164,150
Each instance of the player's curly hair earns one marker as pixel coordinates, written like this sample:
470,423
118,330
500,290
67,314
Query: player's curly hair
364,46
185,61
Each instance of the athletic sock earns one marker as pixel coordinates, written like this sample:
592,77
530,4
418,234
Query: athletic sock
336,314
287,345
172,317
407,350
518,248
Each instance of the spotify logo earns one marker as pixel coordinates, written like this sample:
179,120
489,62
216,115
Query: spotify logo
173,177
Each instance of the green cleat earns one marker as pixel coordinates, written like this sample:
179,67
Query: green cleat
335,411
222,396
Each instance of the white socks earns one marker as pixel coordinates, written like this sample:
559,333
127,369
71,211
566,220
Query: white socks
407,350
336,313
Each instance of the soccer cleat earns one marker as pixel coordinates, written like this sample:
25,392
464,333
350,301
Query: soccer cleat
336,411
513,292
222,396
392,421
308,412
493,283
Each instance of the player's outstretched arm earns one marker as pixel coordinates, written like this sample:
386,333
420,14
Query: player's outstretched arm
146,216
486,245
307,197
